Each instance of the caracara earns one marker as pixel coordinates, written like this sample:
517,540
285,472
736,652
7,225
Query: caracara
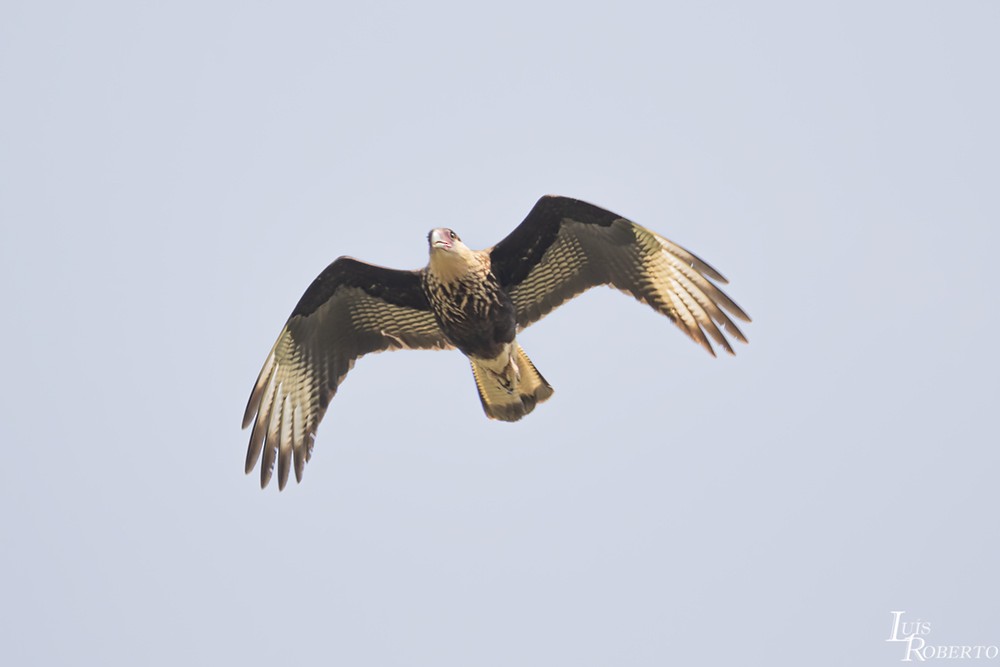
476,301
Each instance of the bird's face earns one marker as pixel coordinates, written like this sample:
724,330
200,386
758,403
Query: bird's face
444,239
450,258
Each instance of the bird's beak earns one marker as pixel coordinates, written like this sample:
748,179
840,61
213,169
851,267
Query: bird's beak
440,238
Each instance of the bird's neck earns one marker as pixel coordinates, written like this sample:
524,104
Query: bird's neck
455,266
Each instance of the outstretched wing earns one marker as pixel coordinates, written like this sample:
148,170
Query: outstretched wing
351,309
566,246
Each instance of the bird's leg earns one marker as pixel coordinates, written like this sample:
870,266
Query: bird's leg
504,369
512,365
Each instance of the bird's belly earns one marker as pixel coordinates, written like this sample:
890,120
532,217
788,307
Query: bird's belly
476,316
481,339
479,332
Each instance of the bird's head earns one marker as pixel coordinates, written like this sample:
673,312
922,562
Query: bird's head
444,239
450,258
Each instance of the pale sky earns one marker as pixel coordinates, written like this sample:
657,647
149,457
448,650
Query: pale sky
173,175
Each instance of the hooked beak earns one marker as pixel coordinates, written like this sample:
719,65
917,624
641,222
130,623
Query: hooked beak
440,238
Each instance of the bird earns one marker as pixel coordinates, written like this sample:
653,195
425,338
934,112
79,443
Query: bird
475,301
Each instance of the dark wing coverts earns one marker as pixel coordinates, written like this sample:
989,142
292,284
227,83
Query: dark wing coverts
351,309
566,246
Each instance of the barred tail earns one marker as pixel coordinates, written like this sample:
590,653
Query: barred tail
508,395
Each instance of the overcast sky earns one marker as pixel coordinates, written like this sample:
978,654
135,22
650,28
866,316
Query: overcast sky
173,175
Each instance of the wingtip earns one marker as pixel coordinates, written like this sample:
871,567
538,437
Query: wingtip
300,464
257,437
283,469
739,313
266,469
735,332
251,410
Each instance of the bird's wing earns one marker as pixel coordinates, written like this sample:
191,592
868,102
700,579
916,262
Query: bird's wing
566,246
351,309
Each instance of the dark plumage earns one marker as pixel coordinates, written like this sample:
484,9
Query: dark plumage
475,301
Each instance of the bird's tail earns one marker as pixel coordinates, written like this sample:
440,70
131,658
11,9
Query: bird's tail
511,391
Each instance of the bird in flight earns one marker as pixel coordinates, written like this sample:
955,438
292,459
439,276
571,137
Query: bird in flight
476,301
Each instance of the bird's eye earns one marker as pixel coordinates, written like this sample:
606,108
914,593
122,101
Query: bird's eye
452,234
